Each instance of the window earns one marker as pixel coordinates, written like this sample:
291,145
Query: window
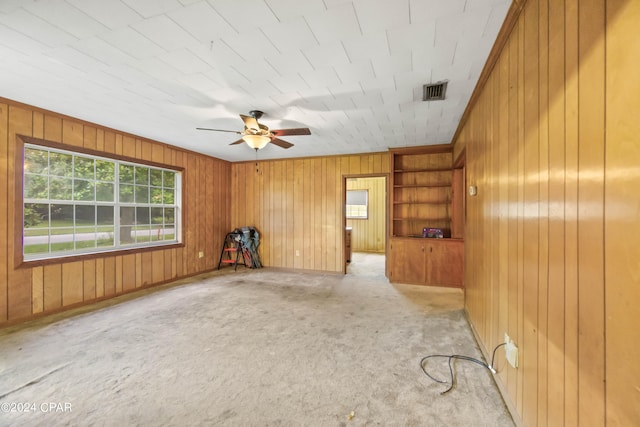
357,204
76,203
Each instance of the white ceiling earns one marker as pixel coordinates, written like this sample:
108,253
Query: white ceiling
350,70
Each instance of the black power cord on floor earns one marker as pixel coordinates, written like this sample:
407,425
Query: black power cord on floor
460,357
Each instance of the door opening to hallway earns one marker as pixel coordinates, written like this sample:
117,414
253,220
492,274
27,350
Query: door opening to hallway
366,224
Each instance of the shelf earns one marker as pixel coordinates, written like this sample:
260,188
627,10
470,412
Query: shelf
421,185
422,170
434,202
422,219
421,190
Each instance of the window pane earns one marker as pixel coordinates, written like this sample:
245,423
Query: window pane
127,218
169,216
157,216
105,170
168,197
142,194
85,215
36,216
35,161
105,216
62,216
169,233
60,188
156,177
356,197
104,191
126,174
85,237
83,190
35,187
156,195
142,175
37,248
143,233
105,237
126,236
142,216
126,193
169,179
63,240
61,164
84,168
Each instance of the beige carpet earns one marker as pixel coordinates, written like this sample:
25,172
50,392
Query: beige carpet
255,347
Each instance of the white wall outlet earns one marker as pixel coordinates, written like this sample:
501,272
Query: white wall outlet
297,253
511,351
201,254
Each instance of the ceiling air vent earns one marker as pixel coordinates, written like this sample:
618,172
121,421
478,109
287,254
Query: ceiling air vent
434,92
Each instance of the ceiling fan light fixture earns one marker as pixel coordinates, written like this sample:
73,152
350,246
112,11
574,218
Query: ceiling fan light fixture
256,141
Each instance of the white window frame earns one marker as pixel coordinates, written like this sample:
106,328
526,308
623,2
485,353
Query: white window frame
117,246
354,210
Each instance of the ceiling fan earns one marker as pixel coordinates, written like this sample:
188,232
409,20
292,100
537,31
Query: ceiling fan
257,135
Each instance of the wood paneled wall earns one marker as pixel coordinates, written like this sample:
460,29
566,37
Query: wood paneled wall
297,206
25,292
554,227
622,213
369,235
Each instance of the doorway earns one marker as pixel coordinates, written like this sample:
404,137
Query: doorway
365,221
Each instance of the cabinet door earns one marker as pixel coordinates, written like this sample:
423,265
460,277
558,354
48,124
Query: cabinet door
445,263
407,263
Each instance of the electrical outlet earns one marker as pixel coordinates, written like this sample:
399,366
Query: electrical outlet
297,253
201,254
510,351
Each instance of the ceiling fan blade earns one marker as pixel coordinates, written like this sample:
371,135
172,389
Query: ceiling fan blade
240,141
281,143
220,130
298,131
250,122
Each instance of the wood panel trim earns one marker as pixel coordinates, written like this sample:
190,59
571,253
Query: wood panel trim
308,158
23,139
423,149
89,302
97,126
461,160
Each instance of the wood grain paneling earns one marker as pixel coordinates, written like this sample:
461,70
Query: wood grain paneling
551,142
296,205
368,235
622,210
5,213
26,291
18,280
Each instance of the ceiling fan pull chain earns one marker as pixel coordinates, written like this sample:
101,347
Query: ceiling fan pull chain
256,160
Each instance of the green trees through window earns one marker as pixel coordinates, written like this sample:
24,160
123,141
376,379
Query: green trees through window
76,203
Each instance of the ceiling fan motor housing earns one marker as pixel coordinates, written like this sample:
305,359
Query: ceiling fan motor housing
256,114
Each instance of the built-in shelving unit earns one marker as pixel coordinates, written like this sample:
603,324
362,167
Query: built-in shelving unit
421,195
425,193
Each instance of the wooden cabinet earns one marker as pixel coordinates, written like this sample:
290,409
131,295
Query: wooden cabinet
436,262
426,193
